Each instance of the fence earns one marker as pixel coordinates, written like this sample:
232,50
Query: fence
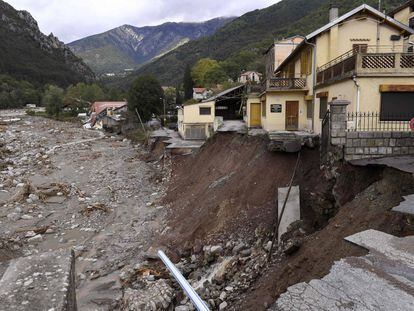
376,121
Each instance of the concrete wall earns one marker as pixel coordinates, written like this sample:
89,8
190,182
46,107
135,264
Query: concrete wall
276,121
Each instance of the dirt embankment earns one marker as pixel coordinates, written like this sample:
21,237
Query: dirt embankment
229,190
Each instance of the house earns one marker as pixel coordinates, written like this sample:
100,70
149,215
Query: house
250,76
107,114
200,120
405,14
363,57
278,52
201,93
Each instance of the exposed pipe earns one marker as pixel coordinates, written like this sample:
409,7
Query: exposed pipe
358,98
190,292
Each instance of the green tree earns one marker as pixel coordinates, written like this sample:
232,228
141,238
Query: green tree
188,84
79,96
53,100
146,95
208,72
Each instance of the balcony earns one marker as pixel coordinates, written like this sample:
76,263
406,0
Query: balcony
366,63
284,84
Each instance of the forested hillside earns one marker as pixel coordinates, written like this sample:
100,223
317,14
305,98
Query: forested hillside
28,54
240,44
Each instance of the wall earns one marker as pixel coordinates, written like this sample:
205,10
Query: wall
361,145
342,90
276,121
192,113
370,94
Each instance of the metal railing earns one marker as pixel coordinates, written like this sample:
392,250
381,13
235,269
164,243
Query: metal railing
190,292
376,121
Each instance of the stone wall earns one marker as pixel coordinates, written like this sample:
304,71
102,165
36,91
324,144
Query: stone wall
355,145
361,145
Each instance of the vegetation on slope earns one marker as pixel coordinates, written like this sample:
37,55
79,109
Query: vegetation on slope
240,44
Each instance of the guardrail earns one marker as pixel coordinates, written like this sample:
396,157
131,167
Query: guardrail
376,121
190,292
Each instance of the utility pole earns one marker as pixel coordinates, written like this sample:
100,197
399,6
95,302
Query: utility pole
379,5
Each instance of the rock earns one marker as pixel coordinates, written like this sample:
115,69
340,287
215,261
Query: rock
239,247
29,234
216,250
223,296
13,216
246,252
27,217
223,305
268,246
36,238
33,197
182,308
291,246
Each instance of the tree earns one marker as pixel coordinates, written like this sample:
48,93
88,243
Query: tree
80,95
53,100
208,72
188,84
146,95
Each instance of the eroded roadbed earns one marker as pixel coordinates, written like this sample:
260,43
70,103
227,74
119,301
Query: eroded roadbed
65,187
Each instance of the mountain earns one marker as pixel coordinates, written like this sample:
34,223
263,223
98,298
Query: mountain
129,47
26,53
240,44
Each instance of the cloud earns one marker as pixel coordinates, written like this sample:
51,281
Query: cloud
75,19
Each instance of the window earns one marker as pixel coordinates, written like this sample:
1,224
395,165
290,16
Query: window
205,111
309,109
263,108
323,107
397,106
411,22
306,62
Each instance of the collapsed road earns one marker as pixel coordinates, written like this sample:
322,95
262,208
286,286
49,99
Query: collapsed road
65,187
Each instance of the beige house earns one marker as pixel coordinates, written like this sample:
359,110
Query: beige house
250,76
363,56
201,120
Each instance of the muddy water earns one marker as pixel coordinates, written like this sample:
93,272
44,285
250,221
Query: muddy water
95,170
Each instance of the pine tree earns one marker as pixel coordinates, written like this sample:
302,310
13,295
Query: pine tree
188,84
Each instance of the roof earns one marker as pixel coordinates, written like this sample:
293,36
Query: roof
361,8
199,90
223,93
401,7
98,107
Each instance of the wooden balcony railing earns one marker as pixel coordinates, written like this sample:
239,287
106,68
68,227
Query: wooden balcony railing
285,84
365,64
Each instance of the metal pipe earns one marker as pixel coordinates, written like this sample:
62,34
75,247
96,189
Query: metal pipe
190,292
358,99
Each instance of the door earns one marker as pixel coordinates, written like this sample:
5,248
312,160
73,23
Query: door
292,115
255,114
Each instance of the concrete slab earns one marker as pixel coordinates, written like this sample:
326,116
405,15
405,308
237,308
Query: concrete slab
39,282
383,280
292,209
406,206
403,163
235,126
399,249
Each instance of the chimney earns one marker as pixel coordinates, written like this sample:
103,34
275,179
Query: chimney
333,12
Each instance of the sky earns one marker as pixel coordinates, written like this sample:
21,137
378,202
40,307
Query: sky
70,20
